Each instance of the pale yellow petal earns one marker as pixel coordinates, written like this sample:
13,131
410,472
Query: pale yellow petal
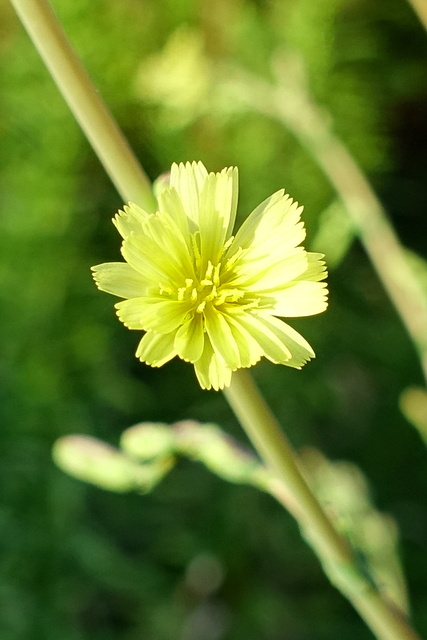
152,313
266,335
130,219
170,241
144,257
130,313
300,299
222,338
299,349
161,255
218,202
316,268
119,279
170,203
249,349
272,228
188,179
298,346
271,273
190,339
156,349
211,371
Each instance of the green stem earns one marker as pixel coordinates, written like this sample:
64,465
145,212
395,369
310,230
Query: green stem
84,101
386,622
291,104
371,221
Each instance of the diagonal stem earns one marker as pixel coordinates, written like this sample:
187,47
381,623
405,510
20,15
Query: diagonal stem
383,618
291,104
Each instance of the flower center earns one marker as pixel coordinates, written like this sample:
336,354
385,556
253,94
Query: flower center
208,290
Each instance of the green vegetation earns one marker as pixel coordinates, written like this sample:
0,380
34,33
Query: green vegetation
199,558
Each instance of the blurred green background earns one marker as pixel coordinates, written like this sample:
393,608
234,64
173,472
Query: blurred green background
198,559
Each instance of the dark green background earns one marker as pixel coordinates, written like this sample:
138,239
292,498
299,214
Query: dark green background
77,563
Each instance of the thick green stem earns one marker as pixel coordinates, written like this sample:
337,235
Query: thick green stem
85,103
266,435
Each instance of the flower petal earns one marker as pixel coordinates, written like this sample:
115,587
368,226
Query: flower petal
211,370
143,256
190,339
152,313
273,228
316,269
161,255
266,336
300,299
298,348
218,203
170,203
130,219
188,179
119,279
271,273
249,349
162,229
156,349
297,345
221,337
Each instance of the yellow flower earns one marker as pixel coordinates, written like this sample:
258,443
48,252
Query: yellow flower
204,295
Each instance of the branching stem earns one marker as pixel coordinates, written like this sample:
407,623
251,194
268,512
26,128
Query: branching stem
382,617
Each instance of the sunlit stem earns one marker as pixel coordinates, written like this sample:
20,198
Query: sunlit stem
84,101
420,8
266,435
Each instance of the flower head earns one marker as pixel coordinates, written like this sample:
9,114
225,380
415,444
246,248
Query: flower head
209,297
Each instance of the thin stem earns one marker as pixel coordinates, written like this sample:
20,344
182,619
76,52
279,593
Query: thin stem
290,104
85,103
386,622
371,221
